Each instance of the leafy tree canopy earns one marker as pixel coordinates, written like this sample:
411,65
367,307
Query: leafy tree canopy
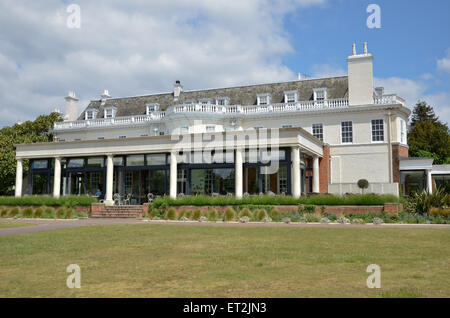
428,136
27,132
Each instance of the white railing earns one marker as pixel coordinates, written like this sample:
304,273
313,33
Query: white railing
389,99
228,110
105,122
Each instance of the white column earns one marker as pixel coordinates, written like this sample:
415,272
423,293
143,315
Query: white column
57,178
295,171
19,177
429,182
316,188
173,175
238,173
109,180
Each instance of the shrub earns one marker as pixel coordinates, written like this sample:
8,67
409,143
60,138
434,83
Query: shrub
261,214
377,221
312,217
197,215
363,184
422,202
265,200
212,215
308,208
69,213
229,215
441,212
183,218
39,200
171,214
203,219
153,213
188,214
245,212
60,213
303,219
3,212
324,220
49,212
13,212
358,221
38,212
275,214
267,219
27,212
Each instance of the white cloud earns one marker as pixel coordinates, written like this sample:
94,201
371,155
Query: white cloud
444,63
413,91
136,47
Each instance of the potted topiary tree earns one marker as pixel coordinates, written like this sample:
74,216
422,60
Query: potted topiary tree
363,184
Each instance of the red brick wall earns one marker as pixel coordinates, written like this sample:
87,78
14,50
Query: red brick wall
397,152
324,170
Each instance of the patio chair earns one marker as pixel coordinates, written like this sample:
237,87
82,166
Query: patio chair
117,199
127,200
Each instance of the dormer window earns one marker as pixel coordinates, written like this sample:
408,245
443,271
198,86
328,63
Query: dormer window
290,97
110,112
222,101
90,114
152,107
263,99
320,94
189,101
206,101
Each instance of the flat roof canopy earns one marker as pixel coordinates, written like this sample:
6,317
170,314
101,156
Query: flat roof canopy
262,138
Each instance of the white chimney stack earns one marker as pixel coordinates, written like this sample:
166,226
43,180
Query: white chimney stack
360,78
71,107
104,96
177,89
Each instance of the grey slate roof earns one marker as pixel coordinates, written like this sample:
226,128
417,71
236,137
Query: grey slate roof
337,87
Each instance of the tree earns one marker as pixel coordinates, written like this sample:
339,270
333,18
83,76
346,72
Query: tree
363,184
428,136
27,132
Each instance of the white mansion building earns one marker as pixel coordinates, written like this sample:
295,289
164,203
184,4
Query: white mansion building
322,136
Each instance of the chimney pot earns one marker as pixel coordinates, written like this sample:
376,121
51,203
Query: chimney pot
354,49
365,48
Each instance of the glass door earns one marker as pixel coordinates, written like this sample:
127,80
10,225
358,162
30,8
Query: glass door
76,183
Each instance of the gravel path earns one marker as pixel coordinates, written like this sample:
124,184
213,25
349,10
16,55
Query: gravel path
50,224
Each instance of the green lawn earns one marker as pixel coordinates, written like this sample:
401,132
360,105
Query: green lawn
4,225
212,261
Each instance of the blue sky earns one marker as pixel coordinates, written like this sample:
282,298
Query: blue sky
140,47
413,35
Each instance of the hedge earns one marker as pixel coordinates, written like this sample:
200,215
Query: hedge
325,199
39,200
